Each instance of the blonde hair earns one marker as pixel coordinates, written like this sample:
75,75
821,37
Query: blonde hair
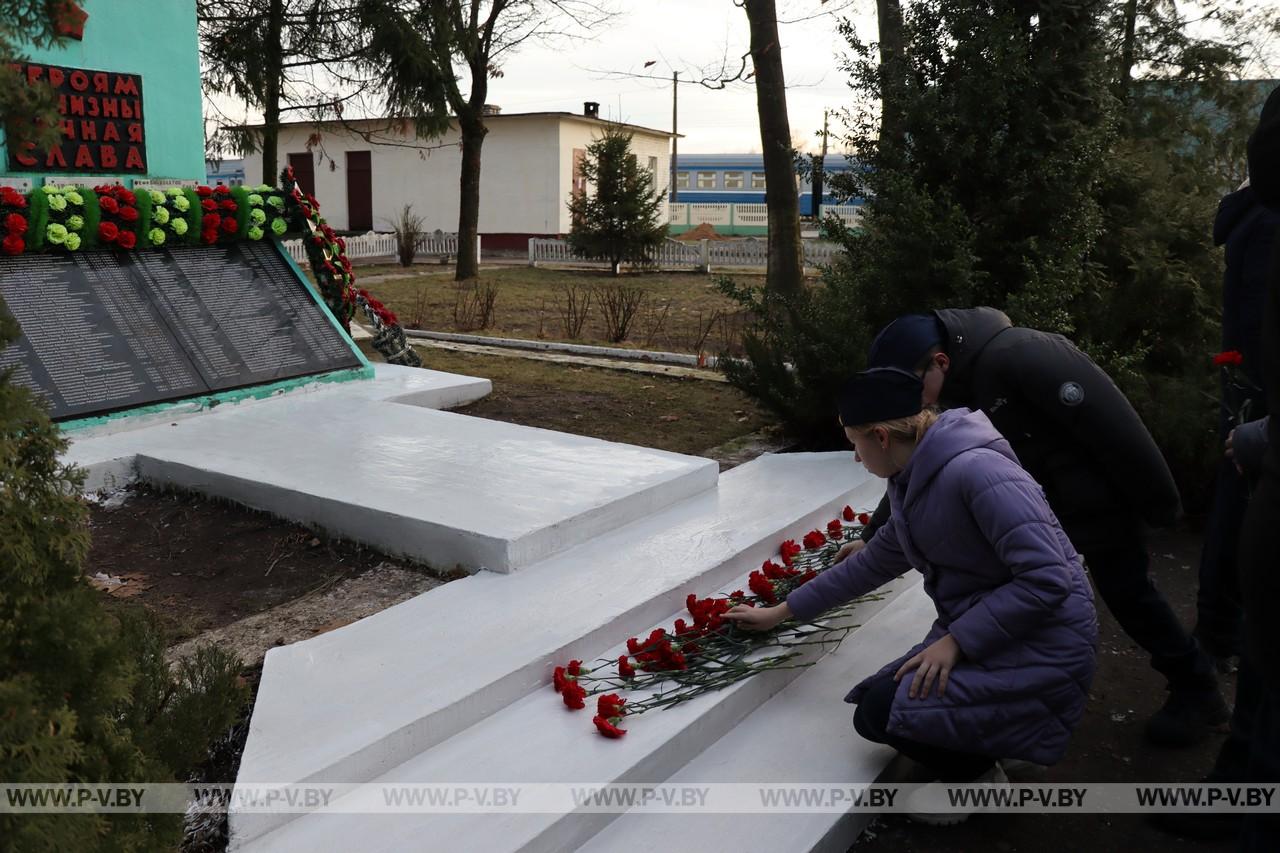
911,428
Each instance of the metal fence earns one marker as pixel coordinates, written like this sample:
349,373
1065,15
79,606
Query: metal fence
373,245
700,255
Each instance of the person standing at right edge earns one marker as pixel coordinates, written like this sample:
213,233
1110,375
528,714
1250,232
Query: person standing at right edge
1077,435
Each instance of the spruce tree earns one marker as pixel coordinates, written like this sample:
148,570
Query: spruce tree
619,217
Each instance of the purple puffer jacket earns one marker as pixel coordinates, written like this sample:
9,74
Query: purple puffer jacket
1007,584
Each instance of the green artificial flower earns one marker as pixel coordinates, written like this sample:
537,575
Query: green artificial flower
181,203
179,226
74,222
73,197
278,226
57,202
56,233
276,201
160,215
257,217
73,242
255,200
255,233
173,192
157,197
263,188
156,236
49,189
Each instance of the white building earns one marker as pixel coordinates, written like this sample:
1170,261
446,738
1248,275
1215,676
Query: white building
363,172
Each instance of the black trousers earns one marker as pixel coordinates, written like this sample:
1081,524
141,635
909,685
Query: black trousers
1119,565
871,720
1218,613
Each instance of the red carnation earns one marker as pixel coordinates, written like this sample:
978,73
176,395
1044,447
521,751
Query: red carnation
229,224
814,539
12,245
772,570
229,206
834,528
848,513
107,232
633,645
126,196
607,728
204,192
863,518
574,696
611,705
127,240
15,223
575,667
558,679
209,235
1230,358
108,204
209,204
761,586
129,214
625,669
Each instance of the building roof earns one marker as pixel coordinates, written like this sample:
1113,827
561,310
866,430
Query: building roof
487,118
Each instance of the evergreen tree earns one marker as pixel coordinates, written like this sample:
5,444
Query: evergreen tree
28,113
83,698
619,217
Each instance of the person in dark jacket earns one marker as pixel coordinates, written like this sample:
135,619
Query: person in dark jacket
1078,436
1012,651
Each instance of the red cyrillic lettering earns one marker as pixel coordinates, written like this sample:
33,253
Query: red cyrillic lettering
110,108
111,132
57,77
127,84
100,84
133,160
135,133
89,130
107,154
79,80
77,105
84,160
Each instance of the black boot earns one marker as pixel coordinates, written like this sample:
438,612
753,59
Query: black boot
1188,716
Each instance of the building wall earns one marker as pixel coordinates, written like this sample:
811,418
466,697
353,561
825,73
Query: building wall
158,41
525,176
579,134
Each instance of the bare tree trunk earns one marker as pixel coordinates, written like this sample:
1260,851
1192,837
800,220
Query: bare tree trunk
473,133
785,271
271,99
892,56
1127,48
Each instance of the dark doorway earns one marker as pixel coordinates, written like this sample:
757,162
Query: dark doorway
304,171
359,191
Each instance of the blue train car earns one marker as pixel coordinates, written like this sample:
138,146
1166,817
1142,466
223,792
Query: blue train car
739,179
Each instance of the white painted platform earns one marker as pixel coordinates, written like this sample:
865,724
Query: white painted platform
445,489
452,685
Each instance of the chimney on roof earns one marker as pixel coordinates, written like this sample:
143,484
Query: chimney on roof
490,110
591,109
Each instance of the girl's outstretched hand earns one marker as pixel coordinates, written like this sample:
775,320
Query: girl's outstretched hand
849,548
758,618
934,662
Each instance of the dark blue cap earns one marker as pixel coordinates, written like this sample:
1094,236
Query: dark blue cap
880,394
905,341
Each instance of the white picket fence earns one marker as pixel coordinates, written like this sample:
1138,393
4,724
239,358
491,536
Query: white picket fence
849,214
374,245
729,215
700,255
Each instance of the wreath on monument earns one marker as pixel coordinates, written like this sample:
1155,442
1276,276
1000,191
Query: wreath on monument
707,653
71,219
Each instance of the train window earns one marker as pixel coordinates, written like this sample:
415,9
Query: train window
757,180
733,180
682,180
706,180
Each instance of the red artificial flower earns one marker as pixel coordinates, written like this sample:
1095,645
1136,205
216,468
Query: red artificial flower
229,206
129,214
625,669
107,232
15,223
317,240
558,679
611,705
127,240
204,192
126,196
209,235
210,222
1230,358
209,204
848,513
229,224
574,696
607,728
12,245
834,528
108,204
306,211
575,667
814,539
342,244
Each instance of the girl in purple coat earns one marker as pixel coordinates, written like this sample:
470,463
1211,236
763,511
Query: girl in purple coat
1004,671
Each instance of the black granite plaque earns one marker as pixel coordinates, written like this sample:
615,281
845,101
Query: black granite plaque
104,331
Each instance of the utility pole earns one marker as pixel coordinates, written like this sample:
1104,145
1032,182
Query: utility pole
819,174
675,132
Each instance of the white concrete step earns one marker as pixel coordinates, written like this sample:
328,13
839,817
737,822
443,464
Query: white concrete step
823,749
442,488
536,740
351,705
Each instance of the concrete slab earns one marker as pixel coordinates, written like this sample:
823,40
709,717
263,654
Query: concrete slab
537,740
355,703
829,752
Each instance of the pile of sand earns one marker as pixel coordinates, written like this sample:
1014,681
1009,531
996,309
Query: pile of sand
704,231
